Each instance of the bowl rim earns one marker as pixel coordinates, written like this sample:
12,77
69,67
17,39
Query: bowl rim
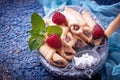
59,72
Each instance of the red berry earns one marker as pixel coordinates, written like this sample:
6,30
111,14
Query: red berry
97,31
54,41
58,18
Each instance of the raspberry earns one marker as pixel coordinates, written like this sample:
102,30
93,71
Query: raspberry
58,18
54,41
97,31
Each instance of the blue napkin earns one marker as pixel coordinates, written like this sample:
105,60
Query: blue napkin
106,13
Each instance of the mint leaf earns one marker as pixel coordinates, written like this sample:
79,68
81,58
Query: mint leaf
38,24
38,30
35,42
35,32
54,29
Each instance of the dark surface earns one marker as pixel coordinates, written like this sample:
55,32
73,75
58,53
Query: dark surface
106,2
16,60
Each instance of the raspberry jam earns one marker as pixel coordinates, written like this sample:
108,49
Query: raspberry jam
67,38
78,43
68,53
76,27
86,33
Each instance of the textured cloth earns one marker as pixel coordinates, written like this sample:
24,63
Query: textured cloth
106,13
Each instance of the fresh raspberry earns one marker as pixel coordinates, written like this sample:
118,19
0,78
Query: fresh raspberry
58,18
97,31
54,41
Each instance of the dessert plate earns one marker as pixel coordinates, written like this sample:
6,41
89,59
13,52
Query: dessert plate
70,72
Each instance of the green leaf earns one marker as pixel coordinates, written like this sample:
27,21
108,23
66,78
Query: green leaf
35,32
54,29
35,42
37,24
38,30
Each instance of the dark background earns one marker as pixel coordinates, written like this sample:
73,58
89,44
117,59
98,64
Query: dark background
16,60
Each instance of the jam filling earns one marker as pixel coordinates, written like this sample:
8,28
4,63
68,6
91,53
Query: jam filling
68,53
87,33
59,62
67,38
76,27
78,43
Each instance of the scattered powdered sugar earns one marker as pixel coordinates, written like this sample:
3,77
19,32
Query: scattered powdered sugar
85,61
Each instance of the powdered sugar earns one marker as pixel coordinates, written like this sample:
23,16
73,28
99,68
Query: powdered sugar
85,61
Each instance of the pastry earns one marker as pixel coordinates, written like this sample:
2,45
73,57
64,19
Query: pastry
87,34
51,56
79,43
87,17
73,23
68,41
77,15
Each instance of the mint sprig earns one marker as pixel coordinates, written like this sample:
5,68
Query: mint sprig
38,25
54,29
38,30
35,42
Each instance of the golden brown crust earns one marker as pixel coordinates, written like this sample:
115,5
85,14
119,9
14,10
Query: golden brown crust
77,15
87,34
51,56
87,17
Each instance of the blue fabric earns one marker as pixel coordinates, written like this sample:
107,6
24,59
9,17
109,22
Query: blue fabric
106,13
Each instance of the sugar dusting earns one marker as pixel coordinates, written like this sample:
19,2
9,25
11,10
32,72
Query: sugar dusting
85,61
